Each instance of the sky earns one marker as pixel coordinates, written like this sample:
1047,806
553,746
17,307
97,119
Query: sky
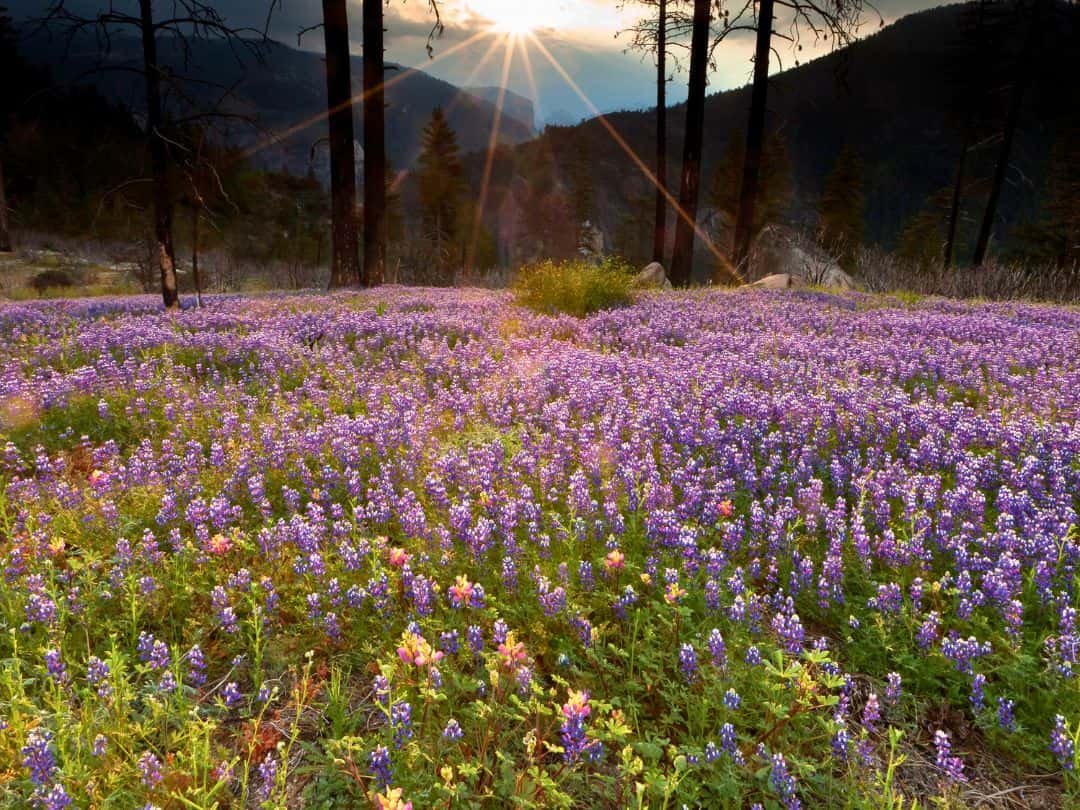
524,45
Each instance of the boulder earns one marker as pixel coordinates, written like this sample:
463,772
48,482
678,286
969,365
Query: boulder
778,281
780,251
654,276
591,242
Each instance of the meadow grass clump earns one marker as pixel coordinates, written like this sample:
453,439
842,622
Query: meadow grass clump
574,287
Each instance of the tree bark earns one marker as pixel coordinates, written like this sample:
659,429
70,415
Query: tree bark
195,256
1016,104
954,208
682,257
5,228
374,146
164,254
755,135
345,240
660,232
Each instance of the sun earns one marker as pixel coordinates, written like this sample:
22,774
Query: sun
516,16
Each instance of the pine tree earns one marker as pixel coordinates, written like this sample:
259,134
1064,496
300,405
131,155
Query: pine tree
441,187
774,183
840,214
1054,236
923,238
633,243
582,192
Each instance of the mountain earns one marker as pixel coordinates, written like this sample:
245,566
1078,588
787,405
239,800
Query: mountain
284,94
514,105
891,97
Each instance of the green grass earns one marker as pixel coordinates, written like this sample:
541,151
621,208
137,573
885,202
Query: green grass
574,287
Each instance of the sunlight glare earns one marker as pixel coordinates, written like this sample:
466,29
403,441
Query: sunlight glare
518,16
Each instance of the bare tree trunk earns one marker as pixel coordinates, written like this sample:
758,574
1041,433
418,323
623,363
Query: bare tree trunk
954,209
1016,104
164,255
682,257
345,241
755,135
374,146
195,256
5,229
660,233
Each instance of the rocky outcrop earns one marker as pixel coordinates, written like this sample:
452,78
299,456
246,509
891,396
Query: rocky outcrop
781,258
653,276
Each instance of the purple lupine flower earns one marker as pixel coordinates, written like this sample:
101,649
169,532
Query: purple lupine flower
475,636
952,766
231,694
841,741
196,666
732,699
453,730
1005,714
380,767
688,662
783,782
55,798
1061,743
401,722
893,690
149,769
97,674
717,649
382,689
573,733
38,756
978,693
871,711
729,743
268,770
54,663
99,746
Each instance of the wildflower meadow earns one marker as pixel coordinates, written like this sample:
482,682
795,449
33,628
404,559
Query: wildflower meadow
430,549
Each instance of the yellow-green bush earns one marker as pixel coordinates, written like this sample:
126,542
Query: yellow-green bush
574,287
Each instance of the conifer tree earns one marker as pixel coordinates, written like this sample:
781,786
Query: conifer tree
441,180
1054,236
840,213
774,185
582,190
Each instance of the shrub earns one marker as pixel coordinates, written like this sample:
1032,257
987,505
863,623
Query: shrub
53,277
574,287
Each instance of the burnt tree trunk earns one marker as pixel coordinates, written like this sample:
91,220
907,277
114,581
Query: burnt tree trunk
954,208
195,257
345,241
1016,104
682,257
5,228
374,146
164,254
660,232
755,135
